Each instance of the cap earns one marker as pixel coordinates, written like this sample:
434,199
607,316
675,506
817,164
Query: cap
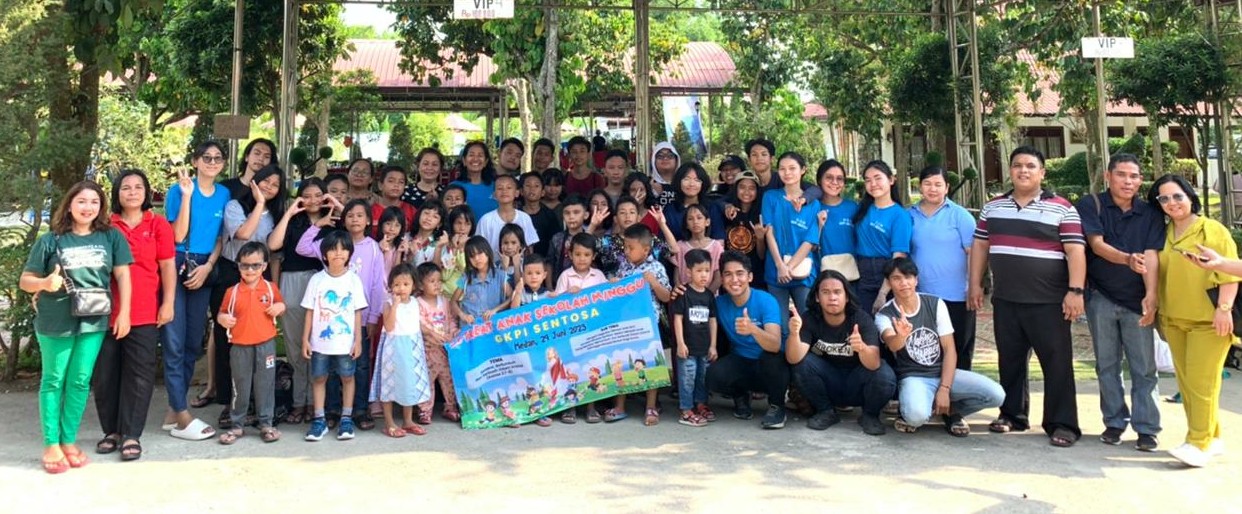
747,175
732,160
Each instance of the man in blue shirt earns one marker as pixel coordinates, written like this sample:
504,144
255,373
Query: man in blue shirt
751,320
1123,235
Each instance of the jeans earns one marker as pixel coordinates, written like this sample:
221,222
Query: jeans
362,381
183,337
124,378
826,385
737,376
783,295
691,381
870,280
970,393
1115,331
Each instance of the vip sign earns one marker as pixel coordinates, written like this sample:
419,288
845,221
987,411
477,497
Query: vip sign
1108,47
482,9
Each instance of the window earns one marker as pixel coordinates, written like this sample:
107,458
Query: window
1048,140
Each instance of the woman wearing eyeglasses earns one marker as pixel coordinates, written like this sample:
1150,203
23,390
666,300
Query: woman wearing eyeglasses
195,207
250,217
1199,333
361,176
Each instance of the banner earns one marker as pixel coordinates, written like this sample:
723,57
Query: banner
555,354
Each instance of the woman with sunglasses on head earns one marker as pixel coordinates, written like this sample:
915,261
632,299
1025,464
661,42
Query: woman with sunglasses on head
1199,333
195,208
125,368
250,217
475,173
81,253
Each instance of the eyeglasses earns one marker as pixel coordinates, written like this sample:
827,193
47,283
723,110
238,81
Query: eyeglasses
212,159
663,156
251,266
1176,197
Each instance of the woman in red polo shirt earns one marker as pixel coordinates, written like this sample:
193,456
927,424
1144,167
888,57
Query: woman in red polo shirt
125,369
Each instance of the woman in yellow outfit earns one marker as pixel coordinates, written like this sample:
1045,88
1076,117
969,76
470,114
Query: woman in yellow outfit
1199,333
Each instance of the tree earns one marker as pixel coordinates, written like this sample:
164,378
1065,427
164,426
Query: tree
779,119
762,46
1175,78
400,147
681,141
126,141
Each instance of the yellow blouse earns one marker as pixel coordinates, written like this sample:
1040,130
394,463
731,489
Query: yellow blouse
1182,284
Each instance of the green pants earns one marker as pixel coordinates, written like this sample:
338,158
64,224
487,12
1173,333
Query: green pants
68,363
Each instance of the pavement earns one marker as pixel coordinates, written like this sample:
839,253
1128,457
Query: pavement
729,466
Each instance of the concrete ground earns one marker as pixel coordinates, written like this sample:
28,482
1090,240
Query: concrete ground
730,466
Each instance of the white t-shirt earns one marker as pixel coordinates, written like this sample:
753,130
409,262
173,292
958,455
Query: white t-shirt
408,319
490,225
333,302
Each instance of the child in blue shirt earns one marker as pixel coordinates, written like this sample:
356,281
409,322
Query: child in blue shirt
483,291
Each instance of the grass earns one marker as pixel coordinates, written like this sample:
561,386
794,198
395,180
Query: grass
1084,370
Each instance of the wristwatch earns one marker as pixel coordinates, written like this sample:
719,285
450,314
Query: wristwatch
1225,307
1076,290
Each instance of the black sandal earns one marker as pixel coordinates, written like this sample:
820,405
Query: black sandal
108,444
365,422
202,400
1062,438
225,421
956,426
131,451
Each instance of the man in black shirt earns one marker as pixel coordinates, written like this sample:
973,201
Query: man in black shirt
835,353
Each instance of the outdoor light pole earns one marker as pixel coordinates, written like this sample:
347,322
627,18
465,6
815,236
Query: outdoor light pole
235,104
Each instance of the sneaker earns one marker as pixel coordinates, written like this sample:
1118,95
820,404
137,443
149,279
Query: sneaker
318,428
1217,448
1112,436
871,424
741,407
1149,443
775,418
345,431
1190,455
823,419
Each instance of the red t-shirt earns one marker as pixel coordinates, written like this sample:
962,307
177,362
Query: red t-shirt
150,242
583,187
377,210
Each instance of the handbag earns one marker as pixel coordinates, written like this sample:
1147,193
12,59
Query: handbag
843,263
800,272
1214,296
188,265
84,302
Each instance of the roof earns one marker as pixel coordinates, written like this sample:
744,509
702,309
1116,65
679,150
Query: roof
702,66
1049,101
814,111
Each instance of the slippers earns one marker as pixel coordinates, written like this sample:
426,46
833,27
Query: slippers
76,460
394,431
202,399
1062,438
167,427
269,434
197,430
108,444
231,436
131,451
956,426
414,430
56,467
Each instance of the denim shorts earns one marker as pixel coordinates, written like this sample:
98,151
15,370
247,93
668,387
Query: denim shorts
321,365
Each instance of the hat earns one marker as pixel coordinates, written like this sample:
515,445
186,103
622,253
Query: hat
732,160
747,175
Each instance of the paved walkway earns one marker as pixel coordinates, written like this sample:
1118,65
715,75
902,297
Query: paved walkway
731,466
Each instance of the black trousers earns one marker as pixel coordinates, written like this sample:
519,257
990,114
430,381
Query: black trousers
222,373
123,381
1020,329
738,376
963,320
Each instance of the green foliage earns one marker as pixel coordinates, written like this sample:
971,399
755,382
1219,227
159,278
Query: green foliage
846,81
400,147
429,131
18,318
681,141
779,119
920,87
1170,76
126,141
1070,171
762,47
1188,168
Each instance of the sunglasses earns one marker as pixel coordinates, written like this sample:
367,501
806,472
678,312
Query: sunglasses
251,266
1176,197
212,159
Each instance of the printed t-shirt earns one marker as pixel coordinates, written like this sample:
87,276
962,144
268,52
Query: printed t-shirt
922,355
88,260
334,302
696,308
206,217
832,343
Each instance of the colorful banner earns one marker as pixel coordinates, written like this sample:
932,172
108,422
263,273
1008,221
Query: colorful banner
554,354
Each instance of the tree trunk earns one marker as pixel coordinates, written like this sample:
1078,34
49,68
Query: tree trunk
321,140
520,89
1098,156
1157,152
901,157
545,83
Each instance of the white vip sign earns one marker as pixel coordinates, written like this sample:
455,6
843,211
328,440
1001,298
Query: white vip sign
482,9
1108,47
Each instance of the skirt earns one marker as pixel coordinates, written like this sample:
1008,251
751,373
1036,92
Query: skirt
400,374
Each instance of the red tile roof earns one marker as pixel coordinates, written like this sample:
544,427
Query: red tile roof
814,111
703,65
1049,101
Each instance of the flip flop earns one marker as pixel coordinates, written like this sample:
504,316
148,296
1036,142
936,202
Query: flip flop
1062,438
107,445
956,426
414,430
197,430
231,436
202,399
131,451
77,460
394,432
269,434
56,467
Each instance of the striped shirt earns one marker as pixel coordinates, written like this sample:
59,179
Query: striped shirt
1027,246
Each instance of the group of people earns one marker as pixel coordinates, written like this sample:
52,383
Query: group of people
760,279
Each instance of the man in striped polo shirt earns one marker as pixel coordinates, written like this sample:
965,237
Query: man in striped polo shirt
1035,247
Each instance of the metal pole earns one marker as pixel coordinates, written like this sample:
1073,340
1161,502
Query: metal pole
289,90
642,80
1224,136
976,100
1100,100
235,104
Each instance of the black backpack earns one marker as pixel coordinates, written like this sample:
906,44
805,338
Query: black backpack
283,391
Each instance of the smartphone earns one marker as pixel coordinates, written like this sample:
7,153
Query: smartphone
1193,255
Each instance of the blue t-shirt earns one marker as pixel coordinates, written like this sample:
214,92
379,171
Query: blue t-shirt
675,216
481,294
938,249
762,308
884,232
206,217
790,229
478,197
837,235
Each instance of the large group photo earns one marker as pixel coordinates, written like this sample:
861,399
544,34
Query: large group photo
985,255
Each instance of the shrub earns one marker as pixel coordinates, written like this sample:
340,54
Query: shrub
1071,172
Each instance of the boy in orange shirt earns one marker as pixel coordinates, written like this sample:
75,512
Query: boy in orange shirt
249,312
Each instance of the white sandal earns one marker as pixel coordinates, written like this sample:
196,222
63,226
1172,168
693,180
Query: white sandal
197,430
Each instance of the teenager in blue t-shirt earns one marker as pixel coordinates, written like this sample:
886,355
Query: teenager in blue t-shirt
836,212
883,228
475,175
751,322
790,217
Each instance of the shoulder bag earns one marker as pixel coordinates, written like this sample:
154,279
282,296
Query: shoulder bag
85,302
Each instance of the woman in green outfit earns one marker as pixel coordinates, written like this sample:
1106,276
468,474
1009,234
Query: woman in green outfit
83,247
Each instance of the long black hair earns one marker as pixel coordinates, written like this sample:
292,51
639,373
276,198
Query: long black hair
865,203
815,311
271,147
1154,193
488,175
684,171
276,204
